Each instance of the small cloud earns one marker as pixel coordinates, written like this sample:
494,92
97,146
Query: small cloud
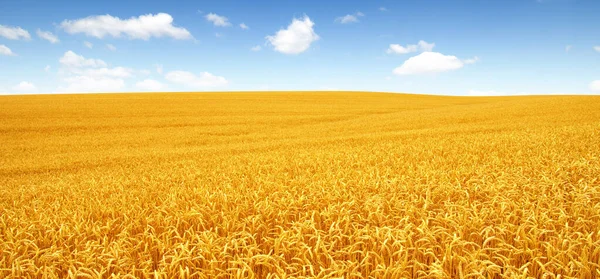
296,38
568,48
24,86
219,35
4,50
143,27
472,60
111,47
150,85
256,48
72,59
88,44
244,26
84,84
48,36
595,86
47,68
204,79
420,46
199,11
346,19
159,69
349,18
383,9
14,33
597,48
428,63
218,20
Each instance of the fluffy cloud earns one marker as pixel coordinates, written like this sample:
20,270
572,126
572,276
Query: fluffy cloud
597,48
47,68
82,75
204,79
4,50
111,47
84,84
159,69
595,85
420,46
24,86
383,9
150,85
256,48
120,72
71,59
244,26
88,44
48,36
218,20
143,27
296,38
14,33
429,62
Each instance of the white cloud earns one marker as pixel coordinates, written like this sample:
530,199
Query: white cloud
204,79
296,38
159,69
420,46
24,86
218,20
88,44
150,85
145,72
256,48
71,59
91,75
4,50
83,84
14,33
595,85
597,48
347,19
120,72
48,36
568,48
47,68
111,47
471,60
398,49
429,62
244,26
383,9
143,27
219,35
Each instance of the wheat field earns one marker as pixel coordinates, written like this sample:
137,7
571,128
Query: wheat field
299,185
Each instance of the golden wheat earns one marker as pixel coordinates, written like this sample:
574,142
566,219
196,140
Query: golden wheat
299,185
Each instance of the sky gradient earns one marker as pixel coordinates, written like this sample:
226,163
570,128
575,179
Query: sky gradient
503,47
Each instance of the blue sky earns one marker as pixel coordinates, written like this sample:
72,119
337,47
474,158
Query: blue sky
501,47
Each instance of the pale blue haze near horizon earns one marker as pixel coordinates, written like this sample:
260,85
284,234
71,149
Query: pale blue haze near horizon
494,47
